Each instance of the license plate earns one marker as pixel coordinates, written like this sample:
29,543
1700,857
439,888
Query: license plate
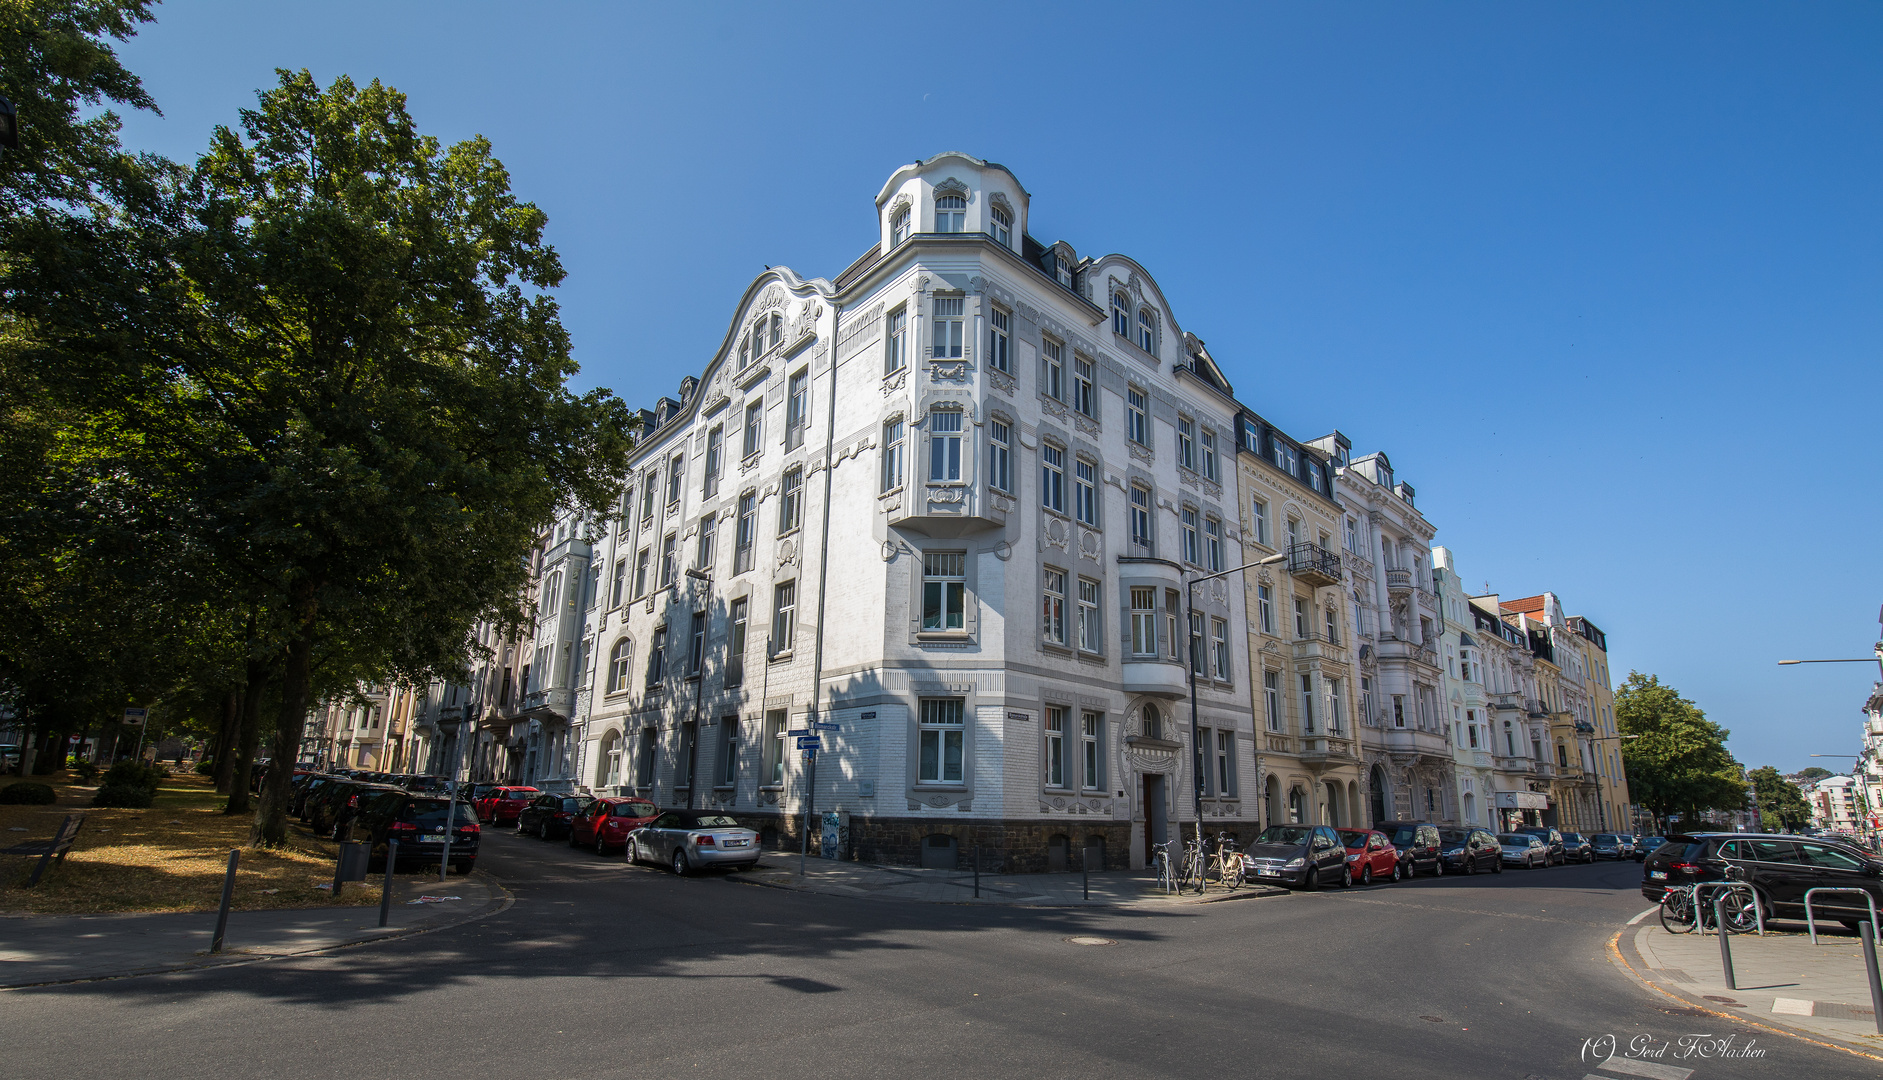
434,838
737,843
1658,875
1268,873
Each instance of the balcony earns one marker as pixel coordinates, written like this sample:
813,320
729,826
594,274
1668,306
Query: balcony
1480,759
542,704
1517,765
1313,564
1399,582
1160,678
1543,769
1391,648
955,509
1325,749
1316,647
1506,701
1414,743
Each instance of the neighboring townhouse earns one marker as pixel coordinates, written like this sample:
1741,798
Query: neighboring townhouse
1521,791
1465,664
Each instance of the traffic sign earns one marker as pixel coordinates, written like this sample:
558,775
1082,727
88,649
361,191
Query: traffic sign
798,732
821,726
811,742
135,715
810,755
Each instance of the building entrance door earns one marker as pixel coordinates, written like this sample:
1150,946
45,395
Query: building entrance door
1155,826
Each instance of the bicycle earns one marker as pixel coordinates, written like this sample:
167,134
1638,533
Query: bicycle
1227,864
1193,866
1682,912
1160,859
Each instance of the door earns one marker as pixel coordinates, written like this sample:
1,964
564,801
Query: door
1827,867
1154,820
689,752
660,835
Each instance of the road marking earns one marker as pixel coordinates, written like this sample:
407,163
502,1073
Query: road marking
1631,1067
1793,1006
1643,915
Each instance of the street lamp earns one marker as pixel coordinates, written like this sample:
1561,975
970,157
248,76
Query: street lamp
448,727
1195,659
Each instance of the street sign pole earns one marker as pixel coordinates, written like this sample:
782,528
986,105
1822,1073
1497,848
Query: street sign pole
810,798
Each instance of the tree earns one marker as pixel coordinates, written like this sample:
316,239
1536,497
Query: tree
1781,804
1677,760
1815,773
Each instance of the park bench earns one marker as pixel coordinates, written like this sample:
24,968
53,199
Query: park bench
46,849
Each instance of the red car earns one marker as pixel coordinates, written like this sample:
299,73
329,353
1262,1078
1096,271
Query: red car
1370,855
605,823
500,806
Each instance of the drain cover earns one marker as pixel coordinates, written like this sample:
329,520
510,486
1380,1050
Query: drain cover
1090,941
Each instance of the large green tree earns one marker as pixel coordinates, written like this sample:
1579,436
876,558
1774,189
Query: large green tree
1782,807
1677,758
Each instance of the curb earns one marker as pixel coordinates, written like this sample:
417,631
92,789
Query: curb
1623,953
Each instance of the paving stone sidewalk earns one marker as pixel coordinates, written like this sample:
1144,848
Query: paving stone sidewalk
40,949
1111,888
1819,990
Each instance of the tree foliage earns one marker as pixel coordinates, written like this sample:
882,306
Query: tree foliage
1782,807
1677,758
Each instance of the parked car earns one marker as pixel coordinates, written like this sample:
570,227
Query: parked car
1369,855
417,822
1576,848
475,793
549,816
1467,851
1527,850
605,823
1552,839
501,805
1648,846
690,839
1779,867
1307,856
1611,846
304,790
419,783
338,805
1418,845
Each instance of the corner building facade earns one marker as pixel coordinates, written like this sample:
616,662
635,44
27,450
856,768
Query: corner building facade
947,503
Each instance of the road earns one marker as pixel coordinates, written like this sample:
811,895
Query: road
601,970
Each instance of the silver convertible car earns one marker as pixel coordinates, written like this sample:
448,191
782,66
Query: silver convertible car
694,839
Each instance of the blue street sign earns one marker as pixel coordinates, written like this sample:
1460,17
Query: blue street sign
810,742
809,754
798,732
820,726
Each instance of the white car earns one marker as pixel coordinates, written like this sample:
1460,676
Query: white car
687,840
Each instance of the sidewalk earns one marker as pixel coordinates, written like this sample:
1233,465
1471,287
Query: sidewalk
1820,991
1110,888
39,949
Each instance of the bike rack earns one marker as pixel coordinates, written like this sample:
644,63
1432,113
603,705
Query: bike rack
1699,900
1812,926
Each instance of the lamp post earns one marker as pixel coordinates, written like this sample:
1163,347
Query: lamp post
1189,621
449,728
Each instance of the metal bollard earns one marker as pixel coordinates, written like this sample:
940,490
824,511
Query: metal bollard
977,871
1726,950
385,890
1869,964
1085,873
228,894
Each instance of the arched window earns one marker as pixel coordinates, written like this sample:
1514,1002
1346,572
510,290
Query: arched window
1153,722
1147,324
951,212
1003,226
619,662
608,765
1121,315
1272,801
899,227
1297,806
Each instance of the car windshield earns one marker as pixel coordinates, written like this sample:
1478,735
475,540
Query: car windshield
1515,839
1403,835
1285,834
1353,838
574,804
635,809
519,796
1605,838
1573,838
430,813
1454,836
710,821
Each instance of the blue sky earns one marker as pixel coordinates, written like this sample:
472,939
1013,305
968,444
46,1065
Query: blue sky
1602,279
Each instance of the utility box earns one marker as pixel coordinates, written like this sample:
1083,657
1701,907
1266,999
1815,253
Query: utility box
836,838
351,865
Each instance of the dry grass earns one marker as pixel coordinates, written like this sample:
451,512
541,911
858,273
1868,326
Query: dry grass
171,857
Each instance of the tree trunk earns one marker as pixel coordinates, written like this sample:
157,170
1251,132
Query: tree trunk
248,740
227,739
271,823
49,757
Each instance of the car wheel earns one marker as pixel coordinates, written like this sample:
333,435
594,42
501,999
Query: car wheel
1346,877
572,842
1366,874
1589,859
681,868
1397,872
1438,867
1498,866
600,847
1471,865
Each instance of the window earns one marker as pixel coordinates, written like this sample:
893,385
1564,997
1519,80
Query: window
735,641
1399,710
1259,512
1084,397
1189,534
895,341
1332,622
1002,219
620,661
1209,454
1213,543
1353,536
1271,698
611,761
696,645
947,331
754,428
1085,492
1303,625
1141,516
1137,408
657,657
1121,315
726,764
1147,322
892,455
746,537
797,409
1053,606
1186,443
775,721
950,212
1052,369
999,456
1265,604
1052,477
626,515
1143,621
1278,453
1196,642
1203,771
1366,702
941,738
1000,325
1089,759
618,587
676,476
1294,532
1225,763
650,490
944,444
640,571
1151,722
944,590
1054,725
1170,622
791,501
1219,648
709,541
1334,704
1307,704
1089,638
1314,476
784,615
715,451
669,569
899,227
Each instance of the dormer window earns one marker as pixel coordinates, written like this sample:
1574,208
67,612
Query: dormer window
951,213
1147,324
1121,315
899,227
1002,226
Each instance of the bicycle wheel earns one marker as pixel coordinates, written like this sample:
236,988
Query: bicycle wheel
1677,912
1192,872
1741,912
1235,874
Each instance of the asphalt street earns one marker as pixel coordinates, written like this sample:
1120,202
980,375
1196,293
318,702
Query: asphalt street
602,970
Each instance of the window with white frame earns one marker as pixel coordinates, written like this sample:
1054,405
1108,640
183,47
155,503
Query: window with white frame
899,227
1271,698
620,662
709,542
1187,516
1137,416
1307,704
1278,453
950,212
1053,606
947,332
1054,726
1265,608
657,658
1147,330
1084,395
650,490
1090,636
1226,763
797,409
1090,724
1366,702
1052,369
640,572
999,332
1258,512
696,645
669,568
784,614
1121,315
1143,621
944,591
715,454
1213,543
1336,706
1210,466
754,429
1052,477
1197,644
746,536
892,455
896,341
725,761
1186,443
1331,619
619,584
736,618
1304,623
944,444
1002,219
1141,534
1085,491
1353,536
1219,649
676,478
1314,477
942,730
999,455
776,720
791,501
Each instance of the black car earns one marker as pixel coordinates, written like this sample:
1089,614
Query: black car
332,813
1419,846
304,788
1467,851
417,822
1552,840
1577,848
1647,845
1779,867
1305,855
1612,845
549,816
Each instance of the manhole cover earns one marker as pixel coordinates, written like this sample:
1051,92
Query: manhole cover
1090,941
1434,1019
